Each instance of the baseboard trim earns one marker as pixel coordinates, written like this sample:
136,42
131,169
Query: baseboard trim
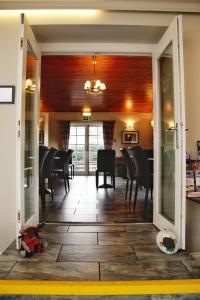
80,288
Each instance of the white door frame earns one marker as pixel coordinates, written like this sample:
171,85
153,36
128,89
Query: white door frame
26,36
174,35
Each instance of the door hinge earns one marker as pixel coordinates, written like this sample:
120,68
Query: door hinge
18,133
18,216
21,42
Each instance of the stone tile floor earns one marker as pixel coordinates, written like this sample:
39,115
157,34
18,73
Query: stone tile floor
83,203
110,252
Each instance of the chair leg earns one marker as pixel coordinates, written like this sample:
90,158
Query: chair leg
97,179
113,181
151,193
127,184
50,180
130,193
68,183
64,178
135,198
146,203
42,195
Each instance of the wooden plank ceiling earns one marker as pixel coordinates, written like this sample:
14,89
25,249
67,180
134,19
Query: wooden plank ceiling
128,81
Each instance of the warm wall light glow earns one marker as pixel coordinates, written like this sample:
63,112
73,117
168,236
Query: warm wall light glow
152,123
86,109
130,124
171,124
129,104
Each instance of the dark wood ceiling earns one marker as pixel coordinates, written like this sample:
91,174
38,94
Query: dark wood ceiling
128,81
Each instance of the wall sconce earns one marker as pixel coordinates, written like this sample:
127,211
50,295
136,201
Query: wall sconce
152,123
130,124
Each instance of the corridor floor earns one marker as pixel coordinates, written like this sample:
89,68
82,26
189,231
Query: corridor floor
112,252
84,204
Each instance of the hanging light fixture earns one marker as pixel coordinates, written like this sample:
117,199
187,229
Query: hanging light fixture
94,87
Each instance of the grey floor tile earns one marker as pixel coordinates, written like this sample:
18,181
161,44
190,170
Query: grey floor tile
153,253
71,218
71,238
6,266
126,238
193,266
54,228
55,271
50,254
122,253
111,228
144,271
141,227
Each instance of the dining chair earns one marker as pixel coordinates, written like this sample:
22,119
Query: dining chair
43,151
106,164
130,170
47,171
144,177
61,167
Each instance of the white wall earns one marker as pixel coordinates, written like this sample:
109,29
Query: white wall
9,36
142,124
191,36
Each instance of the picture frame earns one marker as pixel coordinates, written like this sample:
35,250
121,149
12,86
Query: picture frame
130,137
7,94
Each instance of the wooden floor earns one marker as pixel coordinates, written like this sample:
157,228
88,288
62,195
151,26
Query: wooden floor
84,204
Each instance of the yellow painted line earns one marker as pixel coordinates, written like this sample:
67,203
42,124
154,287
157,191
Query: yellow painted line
140,287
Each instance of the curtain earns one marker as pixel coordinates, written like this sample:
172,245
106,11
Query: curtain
108,131
64,135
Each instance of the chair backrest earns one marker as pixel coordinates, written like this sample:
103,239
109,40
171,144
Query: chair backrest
106,160
143,176
49,163
130,164
65,158
43,151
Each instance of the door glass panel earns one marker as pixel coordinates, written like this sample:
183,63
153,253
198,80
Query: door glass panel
29,182
77,143
95,143
167,135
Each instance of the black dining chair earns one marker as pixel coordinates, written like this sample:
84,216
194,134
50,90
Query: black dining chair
61,167
130,171
144,176
47,172
43,151
106,164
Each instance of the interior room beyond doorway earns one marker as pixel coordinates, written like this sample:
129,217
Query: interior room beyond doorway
127,102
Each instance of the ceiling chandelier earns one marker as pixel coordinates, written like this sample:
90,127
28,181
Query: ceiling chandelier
94,87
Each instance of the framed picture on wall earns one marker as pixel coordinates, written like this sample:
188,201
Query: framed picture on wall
7,94
130,137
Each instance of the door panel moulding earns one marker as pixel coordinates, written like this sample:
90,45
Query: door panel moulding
126,5
88,48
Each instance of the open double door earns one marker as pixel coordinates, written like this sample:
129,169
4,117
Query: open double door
169,132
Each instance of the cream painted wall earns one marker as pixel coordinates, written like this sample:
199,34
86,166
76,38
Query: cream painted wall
191,36
9,36
142,124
